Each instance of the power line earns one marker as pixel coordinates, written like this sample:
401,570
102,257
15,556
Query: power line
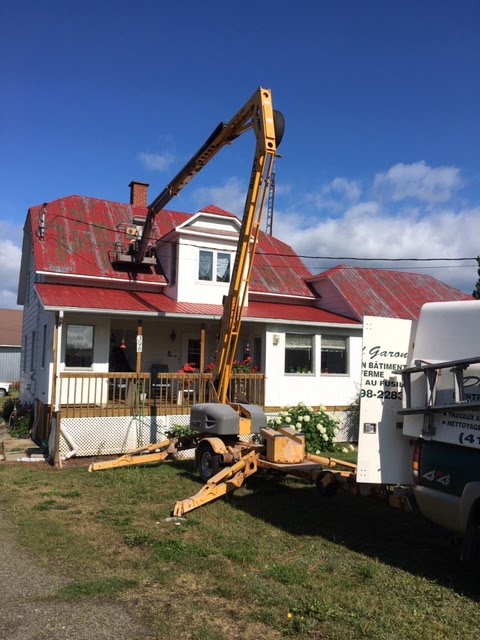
281,255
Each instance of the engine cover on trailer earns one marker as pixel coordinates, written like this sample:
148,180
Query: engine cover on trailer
224,420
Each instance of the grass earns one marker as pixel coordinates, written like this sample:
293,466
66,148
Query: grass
272,560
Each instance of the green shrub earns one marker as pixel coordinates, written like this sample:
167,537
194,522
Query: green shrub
8,408
179,430
20,421
319,428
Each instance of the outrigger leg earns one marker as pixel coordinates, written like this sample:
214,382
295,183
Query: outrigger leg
226,480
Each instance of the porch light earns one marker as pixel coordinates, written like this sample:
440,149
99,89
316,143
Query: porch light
276,338
173,336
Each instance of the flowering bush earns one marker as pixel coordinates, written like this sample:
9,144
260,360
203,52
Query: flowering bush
210,367
319,428
246,366
188,367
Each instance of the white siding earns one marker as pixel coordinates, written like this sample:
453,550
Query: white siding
331,390
190,288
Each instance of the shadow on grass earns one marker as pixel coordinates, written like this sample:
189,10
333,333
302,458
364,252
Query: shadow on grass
365,525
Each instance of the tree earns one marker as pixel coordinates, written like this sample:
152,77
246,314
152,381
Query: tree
476,291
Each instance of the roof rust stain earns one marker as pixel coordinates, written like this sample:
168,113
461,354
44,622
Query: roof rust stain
80,234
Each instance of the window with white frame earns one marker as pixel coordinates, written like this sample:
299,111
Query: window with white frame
79,346
298,353
33,351
44,345
214,266
334,354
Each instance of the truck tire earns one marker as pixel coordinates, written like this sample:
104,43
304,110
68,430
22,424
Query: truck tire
208,462
471,542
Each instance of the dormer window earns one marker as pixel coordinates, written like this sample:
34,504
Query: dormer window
214,266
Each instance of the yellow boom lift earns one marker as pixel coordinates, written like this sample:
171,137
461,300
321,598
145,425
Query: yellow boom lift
232,440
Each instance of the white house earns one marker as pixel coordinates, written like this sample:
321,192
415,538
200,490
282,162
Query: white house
105,340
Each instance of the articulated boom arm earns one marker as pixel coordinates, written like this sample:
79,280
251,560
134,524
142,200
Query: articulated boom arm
268,126
257,113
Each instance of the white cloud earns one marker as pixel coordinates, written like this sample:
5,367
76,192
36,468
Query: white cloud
369,231
157,161
229,196
418,181
10,256
336,195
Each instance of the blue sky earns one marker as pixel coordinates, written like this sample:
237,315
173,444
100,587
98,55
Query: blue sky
380,157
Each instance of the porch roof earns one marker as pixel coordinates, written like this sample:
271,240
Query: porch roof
56,297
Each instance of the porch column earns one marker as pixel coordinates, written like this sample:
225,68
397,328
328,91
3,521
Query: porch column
138,367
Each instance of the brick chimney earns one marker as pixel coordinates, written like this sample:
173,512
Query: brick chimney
138,193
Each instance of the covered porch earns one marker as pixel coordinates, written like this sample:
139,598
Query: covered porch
127,394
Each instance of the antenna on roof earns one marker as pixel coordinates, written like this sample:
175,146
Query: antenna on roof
270,202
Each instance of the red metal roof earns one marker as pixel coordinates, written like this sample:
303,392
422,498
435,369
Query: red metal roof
379,292
56,296
80,233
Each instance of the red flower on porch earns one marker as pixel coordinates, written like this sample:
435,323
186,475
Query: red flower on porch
188,367
245,366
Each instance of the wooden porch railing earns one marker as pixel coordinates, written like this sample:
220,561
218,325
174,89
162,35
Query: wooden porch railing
123,394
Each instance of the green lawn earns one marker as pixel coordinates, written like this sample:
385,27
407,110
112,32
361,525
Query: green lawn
272,560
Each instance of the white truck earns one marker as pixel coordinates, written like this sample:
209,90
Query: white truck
420,413
5,388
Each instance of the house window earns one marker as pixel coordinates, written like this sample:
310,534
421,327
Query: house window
193,353
214,262
24,354
44,345
334,354
32,352
298,353
79,347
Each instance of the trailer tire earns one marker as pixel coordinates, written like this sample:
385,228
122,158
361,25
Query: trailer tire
326,489
208,462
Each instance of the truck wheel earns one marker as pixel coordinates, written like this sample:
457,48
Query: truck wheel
208,462
471,543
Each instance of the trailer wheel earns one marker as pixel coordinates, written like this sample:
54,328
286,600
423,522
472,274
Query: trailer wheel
471,543
326,484
208,462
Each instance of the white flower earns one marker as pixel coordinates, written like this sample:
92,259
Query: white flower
301,404
344,450
317,452
319,428
310,409
306,418
288,419
321,407
322,429
351,447
278,420
298,426
325,437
